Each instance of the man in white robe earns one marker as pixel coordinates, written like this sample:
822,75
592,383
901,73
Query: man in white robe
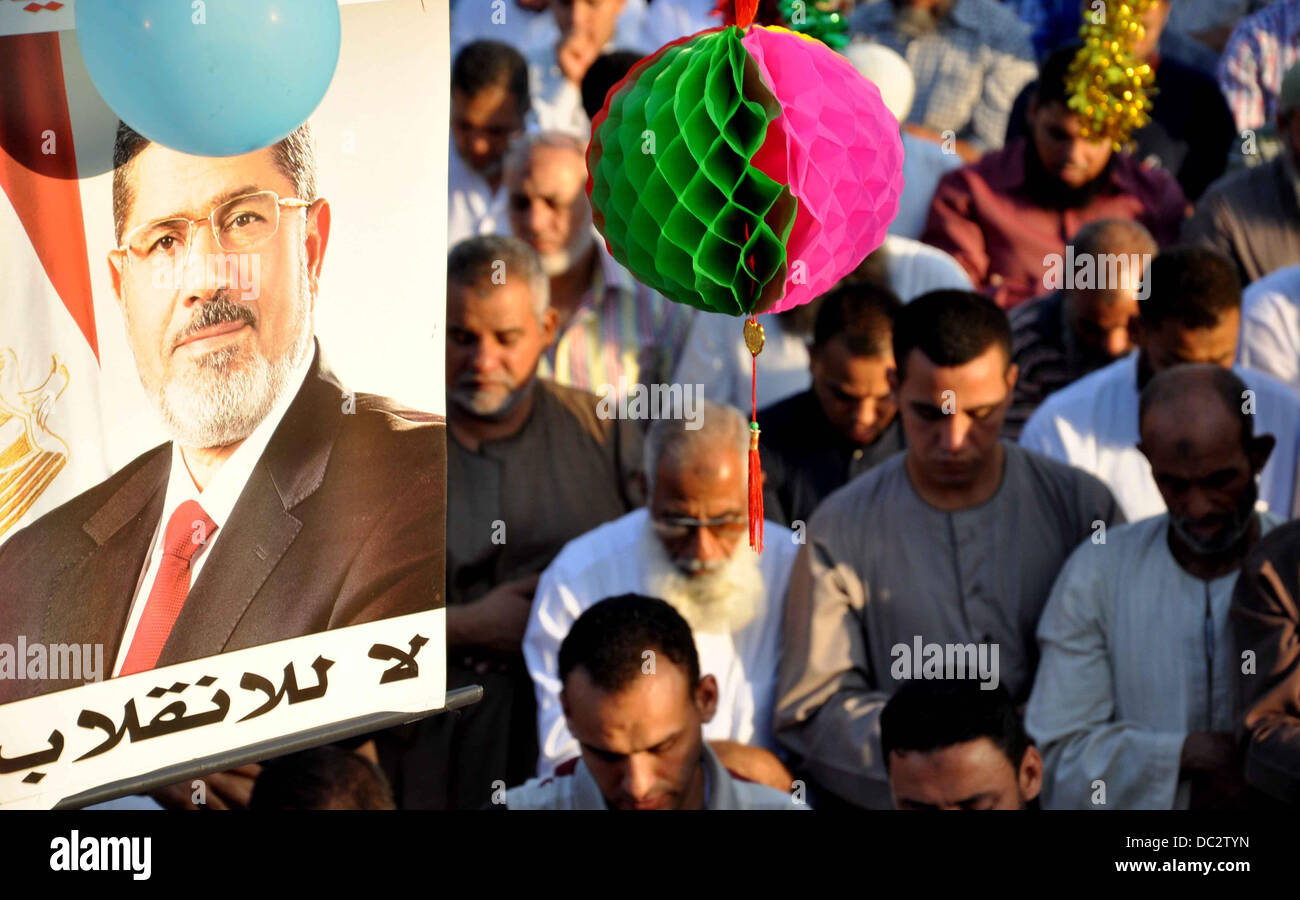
489,109
690,547
1133,701
1270,326
1191,315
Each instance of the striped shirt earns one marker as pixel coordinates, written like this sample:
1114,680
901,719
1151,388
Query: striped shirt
1261,49
621,328
968,70
1048,356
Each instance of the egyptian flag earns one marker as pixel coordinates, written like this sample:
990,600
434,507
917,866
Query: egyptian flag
52,433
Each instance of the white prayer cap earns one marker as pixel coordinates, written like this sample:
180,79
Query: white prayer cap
886,70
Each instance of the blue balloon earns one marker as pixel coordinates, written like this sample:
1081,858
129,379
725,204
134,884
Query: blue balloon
211,77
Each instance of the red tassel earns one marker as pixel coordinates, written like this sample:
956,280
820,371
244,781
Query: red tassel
745,10
755,491
755,464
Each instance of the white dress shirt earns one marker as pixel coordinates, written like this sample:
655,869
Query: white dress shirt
606,562
1136,655
1270,326
1093,424
473,208
716,357
218,500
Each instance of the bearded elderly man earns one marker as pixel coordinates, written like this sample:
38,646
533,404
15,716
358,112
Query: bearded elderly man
689,547
530,466
284,504
609,326
1135,688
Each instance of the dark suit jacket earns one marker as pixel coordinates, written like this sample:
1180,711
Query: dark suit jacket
341,522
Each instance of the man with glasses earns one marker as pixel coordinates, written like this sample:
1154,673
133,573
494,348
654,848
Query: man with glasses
284,503
689,547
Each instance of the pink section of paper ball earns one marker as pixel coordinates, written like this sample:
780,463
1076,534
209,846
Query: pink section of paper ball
838,147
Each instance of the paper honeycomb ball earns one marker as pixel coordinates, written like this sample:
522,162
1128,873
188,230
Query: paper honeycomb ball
743,171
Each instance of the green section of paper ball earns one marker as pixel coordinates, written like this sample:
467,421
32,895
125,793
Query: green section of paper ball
672,188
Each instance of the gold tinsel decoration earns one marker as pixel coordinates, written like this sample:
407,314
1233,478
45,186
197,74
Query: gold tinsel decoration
1107,85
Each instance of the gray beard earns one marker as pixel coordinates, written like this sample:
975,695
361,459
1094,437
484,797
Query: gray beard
721,601
224,397
1210,548
472,403
1245,516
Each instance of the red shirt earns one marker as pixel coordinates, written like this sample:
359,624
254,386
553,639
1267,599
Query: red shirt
984,215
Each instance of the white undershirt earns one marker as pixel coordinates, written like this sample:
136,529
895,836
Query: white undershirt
218,500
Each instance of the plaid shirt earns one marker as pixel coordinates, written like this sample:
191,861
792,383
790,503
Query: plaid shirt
968,71
621,328
1261,49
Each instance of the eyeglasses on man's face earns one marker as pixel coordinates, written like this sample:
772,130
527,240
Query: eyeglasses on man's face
679,527
238,225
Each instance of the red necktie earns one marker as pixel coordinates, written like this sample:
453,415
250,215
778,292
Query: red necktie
188,529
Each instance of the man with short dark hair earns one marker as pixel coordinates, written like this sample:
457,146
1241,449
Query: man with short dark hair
636,702
327,777
489,105
1191,315
953,543
1135,686
1005,216
953,745
818,440
530,465
1081,325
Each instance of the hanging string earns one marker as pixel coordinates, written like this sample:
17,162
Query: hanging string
745,11
754,341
